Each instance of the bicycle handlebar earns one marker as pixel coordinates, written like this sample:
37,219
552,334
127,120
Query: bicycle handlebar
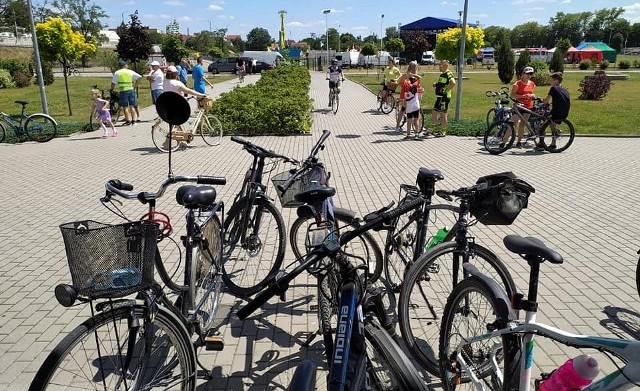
330,249
122,189
258,150
309,161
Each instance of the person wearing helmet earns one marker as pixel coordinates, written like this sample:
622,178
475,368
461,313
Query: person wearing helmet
335,75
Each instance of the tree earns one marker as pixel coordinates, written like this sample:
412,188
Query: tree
201,42
415,43
391,32
134,44
634,35
570,26
347,40
173,28
238,45
368,49
528,35
259,39
523,61
601,25
42,12
557,60
15,13
333,38
84,16
58,42
506,58
448,43
394,45
173,49
492,34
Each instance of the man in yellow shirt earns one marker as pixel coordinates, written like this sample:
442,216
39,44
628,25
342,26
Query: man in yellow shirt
127,82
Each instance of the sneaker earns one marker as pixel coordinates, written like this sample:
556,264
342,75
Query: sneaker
518,144
104,134
552,146
438,134
126,123
539,148
115,133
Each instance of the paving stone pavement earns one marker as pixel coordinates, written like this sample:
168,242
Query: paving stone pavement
585,206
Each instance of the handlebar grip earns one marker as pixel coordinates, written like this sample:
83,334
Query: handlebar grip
282,187
401,209
212,180
118,184
258,301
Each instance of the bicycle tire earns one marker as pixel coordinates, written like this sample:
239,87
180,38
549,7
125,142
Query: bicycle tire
205,281
3,132
387,105
494,137
304,377
491,116
638,275
400,244
471,309
421,121
367,247
336,103
95,329
161,139
40,128
211,130
241,257
564,131
399,372
433,270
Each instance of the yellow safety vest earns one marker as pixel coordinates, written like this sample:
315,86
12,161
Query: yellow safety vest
125,80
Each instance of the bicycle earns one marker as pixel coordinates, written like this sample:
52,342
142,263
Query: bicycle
385,100
421,120
241,71
38,127
364,351
208,126
114,110
500,105
71,70
109,263
484,345
334,96
495,199
550,134
254,240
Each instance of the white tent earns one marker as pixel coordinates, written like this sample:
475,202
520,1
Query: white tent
112,38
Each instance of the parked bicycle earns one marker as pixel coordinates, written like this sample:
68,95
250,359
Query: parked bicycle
365,352
495,199
144,342
547,134
421,122
501,109
206,125
38,127
114,109
255,234
483,345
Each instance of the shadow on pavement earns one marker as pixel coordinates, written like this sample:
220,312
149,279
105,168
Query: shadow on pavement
622,322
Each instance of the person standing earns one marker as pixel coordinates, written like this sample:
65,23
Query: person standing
199,81
560,103
522,92
183,71
127,81
446,82
254,63
405,84
156,78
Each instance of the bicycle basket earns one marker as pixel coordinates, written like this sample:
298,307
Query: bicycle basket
500,198
205,103
109,261
287,199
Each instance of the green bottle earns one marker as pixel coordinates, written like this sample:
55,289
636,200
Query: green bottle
437,238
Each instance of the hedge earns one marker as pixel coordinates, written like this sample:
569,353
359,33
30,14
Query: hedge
278,103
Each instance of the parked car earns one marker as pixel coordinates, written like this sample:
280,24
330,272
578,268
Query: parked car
263,66
226,64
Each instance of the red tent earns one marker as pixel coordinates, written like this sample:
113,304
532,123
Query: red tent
572,54
590,52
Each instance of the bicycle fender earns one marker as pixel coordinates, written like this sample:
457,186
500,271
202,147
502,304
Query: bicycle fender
44,115
306,211
497,290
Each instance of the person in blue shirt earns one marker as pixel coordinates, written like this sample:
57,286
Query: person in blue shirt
199,81
183,69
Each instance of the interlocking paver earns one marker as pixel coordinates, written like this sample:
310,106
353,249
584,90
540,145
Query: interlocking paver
585,206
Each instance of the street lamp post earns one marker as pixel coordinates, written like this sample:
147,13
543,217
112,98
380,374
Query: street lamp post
338,38
381,23
326,26
463,40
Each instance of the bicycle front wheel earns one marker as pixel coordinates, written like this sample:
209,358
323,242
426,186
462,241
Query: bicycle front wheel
161,138
401,241
211,131
40,128
205,281
491,116
426,288
254,245
336,103
109,352
559,137
388,104
499,137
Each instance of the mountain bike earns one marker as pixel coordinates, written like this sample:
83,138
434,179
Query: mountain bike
38,127
255,234
498,111
364,352
208,126
483,345
385,100
547,134
495,199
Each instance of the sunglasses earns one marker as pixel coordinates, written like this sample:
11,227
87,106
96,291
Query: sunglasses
529,73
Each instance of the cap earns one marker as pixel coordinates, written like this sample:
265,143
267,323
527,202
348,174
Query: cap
527,70
334,61
122,62
155,63
171,68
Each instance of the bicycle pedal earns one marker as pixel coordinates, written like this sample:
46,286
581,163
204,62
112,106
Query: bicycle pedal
214,343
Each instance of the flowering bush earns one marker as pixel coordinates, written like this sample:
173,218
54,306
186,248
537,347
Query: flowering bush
595,87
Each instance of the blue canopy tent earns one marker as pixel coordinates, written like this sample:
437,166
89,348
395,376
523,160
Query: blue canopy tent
431,25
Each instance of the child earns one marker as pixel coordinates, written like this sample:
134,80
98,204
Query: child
412,98
101,108
561,103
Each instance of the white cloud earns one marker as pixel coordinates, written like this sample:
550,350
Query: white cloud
297,24
174,3
226,17
632,9
215,7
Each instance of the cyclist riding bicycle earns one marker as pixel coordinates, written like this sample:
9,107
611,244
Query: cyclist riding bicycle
335,75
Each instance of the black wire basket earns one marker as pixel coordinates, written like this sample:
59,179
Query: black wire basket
110,261
287,199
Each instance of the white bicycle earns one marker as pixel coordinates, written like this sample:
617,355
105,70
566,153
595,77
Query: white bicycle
483,346
208,126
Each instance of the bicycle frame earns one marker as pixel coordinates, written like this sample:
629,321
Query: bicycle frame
17,128
534,130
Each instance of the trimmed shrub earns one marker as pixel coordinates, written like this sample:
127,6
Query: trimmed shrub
624,64
557,61
636,63
14,65
277,104
21,79
595,87
538,66
584,65
6,81
542,77
467,127
604,65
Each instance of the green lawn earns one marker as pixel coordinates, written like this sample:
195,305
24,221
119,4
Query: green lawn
616,114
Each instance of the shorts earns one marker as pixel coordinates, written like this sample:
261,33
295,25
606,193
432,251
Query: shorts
128,98
413,114
442,104
155,94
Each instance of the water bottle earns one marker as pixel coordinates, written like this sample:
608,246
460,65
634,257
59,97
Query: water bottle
576,373
437,238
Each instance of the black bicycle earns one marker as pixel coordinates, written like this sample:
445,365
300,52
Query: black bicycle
38,127
364,352
255,234
114,109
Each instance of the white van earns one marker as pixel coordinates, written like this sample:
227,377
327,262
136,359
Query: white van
428,58
268,57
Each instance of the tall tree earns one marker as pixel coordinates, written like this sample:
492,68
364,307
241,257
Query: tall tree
173,28
58,42
601,25
174,49
347,41
492,34
391,32
506,58
528,35
42,12
259,39
85,16
415,43
523,61
238,44
134,44
15,13
448,43
394,45
570,26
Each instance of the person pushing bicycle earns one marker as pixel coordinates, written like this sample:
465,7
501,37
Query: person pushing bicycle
335,75
560,103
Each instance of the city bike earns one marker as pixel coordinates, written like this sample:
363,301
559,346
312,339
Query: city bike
38,127
386,101
334,97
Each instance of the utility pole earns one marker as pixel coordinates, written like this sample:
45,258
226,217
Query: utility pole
34,39
463,40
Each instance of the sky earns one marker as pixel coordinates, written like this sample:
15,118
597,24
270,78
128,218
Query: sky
358,17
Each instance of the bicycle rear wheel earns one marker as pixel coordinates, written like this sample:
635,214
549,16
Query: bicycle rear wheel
161,138
560,139
491,116
424,293
211,129
499,137
388,104
108,351
40,128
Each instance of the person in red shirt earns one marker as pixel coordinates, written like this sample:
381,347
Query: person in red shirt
522,91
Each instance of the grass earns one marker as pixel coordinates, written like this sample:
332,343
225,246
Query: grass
616,114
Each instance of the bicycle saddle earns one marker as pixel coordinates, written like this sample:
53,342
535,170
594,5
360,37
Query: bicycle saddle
434,175
531,247
193,197
22,102
173,108
315,194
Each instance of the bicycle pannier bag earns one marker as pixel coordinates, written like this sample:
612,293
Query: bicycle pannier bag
500,198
